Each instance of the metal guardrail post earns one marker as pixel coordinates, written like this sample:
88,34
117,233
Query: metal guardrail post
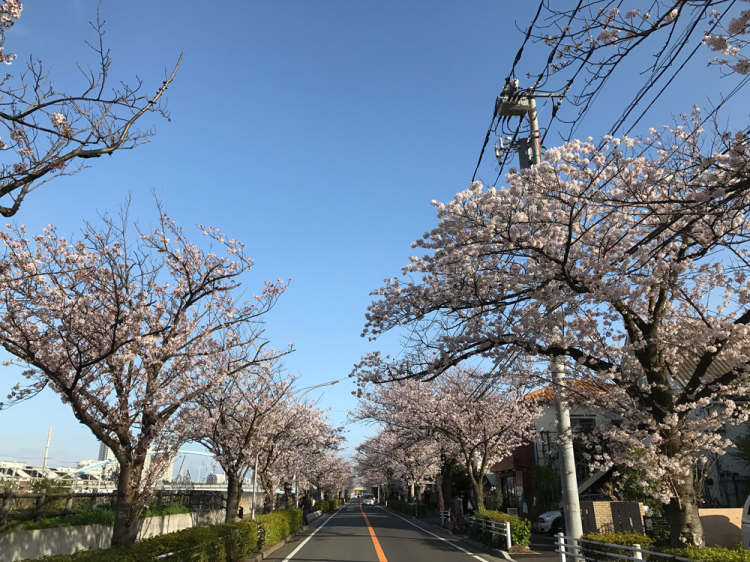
507,534
637,554
561,546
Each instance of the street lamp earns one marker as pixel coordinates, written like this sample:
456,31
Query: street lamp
309,388
306,390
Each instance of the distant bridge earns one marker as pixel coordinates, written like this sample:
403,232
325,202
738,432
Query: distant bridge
96,465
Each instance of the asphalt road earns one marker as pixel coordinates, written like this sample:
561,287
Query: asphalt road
357,533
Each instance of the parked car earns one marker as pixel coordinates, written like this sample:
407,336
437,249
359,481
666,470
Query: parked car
552,521
368,499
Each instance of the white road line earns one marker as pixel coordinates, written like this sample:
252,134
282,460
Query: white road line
436,536
304,542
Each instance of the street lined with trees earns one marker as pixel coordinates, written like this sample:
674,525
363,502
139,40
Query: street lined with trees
615,270
622,259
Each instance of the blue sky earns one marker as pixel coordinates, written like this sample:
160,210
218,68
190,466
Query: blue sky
316,132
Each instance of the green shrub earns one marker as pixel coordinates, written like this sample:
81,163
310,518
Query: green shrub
408,508
718,554
520,529
225,542
625,539
100,515
275,526
171,509
327,505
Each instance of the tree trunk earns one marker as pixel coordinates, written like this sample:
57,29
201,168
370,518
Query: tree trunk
288,495
269,491
234,493
478,484
684,520
447,485
127,508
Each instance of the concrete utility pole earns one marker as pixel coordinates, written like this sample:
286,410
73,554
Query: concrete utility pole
255,484
46,449
571,504
514,103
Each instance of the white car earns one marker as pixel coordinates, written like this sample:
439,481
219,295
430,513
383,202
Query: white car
551,521
368,499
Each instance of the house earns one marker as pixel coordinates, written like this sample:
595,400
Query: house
727,483
517,478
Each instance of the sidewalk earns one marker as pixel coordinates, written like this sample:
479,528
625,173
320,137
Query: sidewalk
542,546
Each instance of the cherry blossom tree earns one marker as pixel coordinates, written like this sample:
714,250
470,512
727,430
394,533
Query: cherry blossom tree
601,35
228,418
52,133
376,465
479,421
631,261
641,46
294,434
328,471
126,329
9,10
394,454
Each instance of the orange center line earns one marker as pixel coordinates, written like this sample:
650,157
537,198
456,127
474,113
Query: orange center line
378,550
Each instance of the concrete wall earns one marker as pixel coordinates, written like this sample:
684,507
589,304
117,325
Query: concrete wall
722,526
246,501
30,545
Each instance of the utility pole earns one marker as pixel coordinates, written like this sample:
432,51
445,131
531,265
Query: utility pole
515,103
255,484
571,504
46,449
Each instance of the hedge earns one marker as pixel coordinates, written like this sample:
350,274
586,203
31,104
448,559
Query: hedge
326,505
625,539
274,526
409,508
520,529
714,554
717,554
225,542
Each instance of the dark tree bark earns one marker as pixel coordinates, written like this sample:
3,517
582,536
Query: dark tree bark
234,494
127,508
288,498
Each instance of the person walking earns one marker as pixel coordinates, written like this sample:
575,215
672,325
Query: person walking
305,505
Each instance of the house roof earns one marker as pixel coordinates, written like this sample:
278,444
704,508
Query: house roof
684,371
546,394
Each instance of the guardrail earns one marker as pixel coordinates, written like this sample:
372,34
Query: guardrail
495,528
75,502
571,549
40,499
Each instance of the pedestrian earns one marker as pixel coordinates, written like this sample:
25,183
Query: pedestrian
240,512
305,509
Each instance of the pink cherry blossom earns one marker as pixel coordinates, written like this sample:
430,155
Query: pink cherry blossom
631,261
127,329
